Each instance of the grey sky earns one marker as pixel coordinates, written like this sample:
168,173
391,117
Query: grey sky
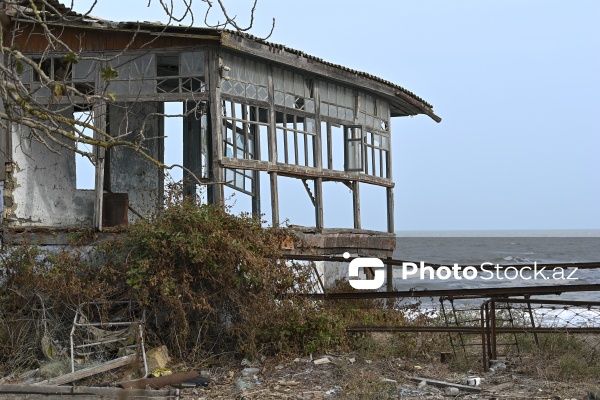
515,81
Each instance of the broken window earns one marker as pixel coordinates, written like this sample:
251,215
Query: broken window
135,74
293,91
57,69
295,139
332,143
244,78
374,115
81,74
377,147
240,179
243,126
167,66
85,171
354,149
180,73
84,76
170,73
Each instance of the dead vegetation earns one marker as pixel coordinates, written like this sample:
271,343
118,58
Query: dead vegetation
212,285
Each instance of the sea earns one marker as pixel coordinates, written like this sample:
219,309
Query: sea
518,252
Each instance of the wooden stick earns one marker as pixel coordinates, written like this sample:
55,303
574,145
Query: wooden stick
84,373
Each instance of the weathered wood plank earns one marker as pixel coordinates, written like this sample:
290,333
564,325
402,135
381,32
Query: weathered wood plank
304,172
161,381
84,373
31,392
433,382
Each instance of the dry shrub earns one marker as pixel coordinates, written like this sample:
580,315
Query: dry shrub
211,283
216,282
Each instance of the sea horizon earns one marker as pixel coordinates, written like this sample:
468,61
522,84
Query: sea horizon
500,233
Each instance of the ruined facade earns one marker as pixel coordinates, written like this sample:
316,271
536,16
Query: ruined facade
253,113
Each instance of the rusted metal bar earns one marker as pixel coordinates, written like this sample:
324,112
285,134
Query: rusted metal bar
472,330
532,319
448,324
488,329
462,342
494,353
556,302
473,293
512,323
580,265
483,343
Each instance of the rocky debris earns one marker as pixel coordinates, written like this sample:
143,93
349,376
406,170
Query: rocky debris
348,376
53,369
157,358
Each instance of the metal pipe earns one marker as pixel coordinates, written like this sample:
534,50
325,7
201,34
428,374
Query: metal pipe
473,293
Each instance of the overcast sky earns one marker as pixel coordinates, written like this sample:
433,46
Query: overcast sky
516,82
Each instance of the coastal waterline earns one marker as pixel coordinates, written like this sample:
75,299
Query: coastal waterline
521,249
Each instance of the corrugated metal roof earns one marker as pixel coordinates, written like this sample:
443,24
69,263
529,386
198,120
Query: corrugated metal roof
70,16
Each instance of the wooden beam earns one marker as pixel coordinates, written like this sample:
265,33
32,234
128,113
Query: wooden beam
84,373
302,172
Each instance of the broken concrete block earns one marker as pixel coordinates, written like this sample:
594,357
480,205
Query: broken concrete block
157,358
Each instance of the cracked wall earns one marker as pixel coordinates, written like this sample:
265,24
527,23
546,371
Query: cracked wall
40,189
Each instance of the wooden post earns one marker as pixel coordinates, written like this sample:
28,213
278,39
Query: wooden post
318,159
390,210
216,194
356,204
192,149
319,203
274,199
99,111
273,150
389,269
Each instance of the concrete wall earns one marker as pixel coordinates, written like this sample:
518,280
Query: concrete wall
129,172
41,187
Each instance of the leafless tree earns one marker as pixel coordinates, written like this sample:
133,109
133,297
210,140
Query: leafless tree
46,119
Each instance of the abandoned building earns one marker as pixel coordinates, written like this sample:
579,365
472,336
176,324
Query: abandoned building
254,114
